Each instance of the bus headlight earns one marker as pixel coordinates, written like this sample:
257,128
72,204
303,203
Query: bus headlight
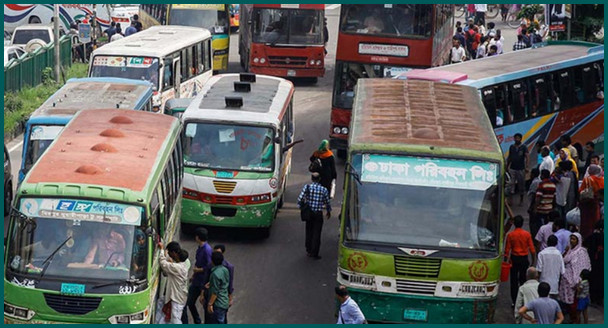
256,60
318,62
18,312
344,130
337,130
312,62
134,318
262,60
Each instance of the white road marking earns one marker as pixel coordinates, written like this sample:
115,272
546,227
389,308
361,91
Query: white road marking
15,146
332,7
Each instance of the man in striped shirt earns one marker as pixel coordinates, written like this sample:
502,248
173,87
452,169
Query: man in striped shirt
545,193
317,198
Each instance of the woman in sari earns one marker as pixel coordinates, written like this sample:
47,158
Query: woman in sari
564,155
576,259
590,206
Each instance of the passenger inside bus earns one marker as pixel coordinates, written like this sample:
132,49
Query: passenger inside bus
373,23
264,159
108,247
273,32
139,251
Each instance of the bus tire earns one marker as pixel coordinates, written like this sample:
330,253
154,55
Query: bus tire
342,153
264,233
34,20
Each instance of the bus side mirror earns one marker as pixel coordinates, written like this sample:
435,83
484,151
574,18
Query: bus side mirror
151,232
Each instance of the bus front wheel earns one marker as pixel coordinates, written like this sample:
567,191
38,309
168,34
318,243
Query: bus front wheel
264,233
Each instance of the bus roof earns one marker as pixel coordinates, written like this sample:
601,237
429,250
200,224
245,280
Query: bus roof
110,147
265,103
512,64
95,93
422,113
155,41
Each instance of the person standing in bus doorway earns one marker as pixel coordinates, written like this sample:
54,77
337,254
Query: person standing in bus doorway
517,249
197,284
176,292
317,197
327,169
349,312
516,164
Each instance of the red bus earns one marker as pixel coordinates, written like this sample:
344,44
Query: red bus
285,40
383,40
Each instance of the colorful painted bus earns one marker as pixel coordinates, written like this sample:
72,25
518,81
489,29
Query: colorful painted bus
238,134
235,13
422,214
213,17
20,14
175,59
381,41
555,91
82,238
45,124
286,40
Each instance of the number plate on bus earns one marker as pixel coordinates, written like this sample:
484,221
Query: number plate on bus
291,72
225,175
413,314
72,289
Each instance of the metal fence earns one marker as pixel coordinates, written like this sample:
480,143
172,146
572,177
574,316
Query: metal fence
27,70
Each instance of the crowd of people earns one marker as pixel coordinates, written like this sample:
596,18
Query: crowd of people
476,39
211,283
115,32
557,268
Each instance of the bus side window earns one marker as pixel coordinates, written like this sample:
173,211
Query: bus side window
168,73
589,87
156,215
489,101
518,100
290,127
206,55
503,110
539,99
564,89
198,58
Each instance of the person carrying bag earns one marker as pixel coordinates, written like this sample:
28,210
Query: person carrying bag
313,199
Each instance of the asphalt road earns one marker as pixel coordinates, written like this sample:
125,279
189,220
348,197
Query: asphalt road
275,282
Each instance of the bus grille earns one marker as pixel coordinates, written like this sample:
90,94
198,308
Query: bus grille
72,304
417,267
287,61
224,187
416,287
223,200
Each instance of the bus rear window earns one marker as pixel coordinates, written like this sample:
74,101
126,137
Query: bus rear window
24,36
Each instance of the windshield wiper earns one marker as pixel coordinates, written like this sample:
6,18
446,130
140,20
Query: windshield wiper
28,220
352,171
131,281
49,259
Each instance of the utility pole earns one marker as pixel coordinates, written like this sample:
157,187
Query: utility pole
56,44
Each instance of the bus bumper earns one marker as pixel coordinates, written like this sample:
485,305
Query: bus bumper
387,307
288,72
247,216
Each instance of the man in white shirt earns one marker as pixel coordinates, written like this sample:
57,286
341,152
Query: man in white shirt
457,54
526,293
349,312
176,292
551,266
547,163
545,231
480,14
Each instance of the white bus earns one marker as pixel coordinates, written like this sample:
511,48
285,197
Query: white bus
177,60
20,14
237,139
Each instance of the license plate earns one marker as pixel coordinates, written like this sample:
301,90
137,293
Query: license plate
72,289
225,175
291,73
415,315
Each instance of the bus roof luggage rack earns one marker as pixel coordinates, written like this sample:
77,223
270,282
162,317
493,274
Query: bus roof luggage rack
247,77
242,86
234,102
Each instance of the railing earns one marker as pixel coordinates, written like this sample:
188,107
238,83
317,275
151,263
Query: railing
27,69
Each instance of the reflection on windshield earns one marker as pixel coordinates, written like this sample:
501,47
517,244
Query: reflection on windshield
216,21
347,75
422,216
135,68
41,137
95,251
288,26
387,19
229,147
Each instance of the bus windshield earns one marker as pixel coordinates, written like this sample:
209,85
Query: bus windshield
288,26
91,240
216,21
41,137
347,75
135,68
229,147
422,202
389,20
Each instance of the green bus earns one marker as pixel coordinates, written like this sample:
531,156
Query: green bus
83,235
421,222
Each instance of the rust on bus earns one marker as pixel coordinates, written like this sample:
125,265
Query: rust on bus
107,147
420,113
